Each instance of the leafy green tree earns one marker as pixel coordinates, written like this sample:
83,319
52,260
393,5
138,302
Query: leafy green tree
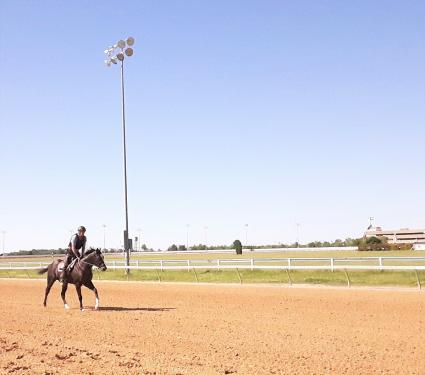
352,241
172,248
338,243
199,247
373,240
237,245
373,244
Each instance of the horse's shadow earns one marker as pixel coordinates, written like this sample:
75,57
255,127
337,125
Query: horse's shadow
117,308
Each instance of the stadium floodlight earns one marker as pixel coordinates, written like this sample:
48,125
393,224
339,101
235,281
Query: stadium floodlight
113,59
3,232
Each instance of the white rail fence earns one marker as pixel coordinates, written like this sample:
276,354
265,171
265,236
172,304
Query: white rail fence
412,264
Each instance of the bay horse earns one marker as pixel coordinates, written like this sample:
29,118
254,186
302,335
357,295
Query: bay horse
80,275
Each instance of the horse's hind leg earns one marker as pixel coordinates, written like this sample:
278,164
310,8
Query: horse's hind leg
50,281
64,288
89,284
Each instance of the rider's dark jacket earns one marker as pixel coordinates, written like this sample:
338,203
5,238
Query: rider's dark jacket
79,243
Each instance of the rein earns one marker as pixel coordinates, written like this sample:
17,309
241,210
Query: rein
91,264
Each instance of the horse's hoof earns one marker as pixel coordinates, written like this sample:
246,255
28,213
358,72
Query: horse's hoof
83,309
66,306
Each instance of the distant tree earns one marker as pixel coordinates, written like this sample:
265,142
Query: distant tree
384,239
373,240
373,244
237,245
144,247
172,248
338,243
182,248
351,242
199,247
315,244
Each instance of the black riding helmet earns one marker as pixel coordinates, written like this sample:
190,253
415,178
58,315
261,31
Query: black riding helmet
81,228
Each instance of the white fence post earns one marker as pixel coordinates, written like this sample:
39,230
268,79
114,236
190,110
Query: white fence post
332,264
161,262
188,265
418,280
252,264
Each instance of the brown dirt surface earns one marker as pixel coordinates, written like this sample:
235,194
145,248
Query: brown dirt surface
145,328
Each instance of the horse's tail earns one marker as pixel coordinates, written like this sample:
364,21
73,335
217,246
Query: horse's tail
42,270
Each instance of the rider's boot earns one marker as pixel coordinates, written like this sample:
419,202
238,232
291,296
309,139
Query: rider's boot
62,276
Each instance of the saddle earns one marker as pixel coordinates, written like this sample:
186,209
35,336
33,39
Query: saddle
70,266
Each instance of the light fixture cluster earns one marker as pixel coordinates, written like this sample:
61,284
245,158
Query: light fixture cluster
121,46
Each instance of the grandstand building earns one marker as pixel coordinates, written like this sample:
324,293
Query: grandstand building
397,236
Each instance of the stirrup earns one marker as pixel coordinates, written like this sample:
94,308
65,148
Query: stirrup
62,278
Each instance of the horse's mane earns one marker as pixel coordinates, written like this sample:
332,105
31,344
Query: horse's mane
89,251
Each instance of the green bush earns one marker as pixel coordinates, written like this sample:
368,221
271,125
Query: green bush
373,244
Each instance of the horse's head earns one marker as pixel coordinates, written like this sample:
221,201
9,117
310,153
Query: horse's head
95,257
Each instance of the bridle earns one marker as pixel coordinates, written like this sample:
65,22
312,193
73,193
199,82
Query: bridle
91,264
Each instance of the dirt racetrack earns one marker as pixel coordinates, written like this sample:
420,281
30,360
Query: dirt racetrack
145,328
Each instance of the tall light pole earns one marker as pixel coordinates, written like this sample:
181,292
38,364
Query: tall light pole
3,232
246,235
298,234
116,53
104,236
139,244
371,222
187,236
206,235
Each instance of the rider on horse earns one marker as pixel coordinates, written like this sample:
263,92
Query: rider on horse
77,242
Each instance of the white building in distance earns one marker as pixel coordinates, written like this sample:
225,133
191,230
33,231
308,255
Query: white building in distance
397,236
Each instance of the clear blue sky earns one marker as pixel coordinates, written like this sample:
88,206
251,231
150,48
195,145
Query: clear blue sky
238,112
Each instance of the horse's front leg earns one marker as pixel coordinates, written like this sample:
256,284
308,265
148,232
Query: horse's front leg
80,296
89,284
64,288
